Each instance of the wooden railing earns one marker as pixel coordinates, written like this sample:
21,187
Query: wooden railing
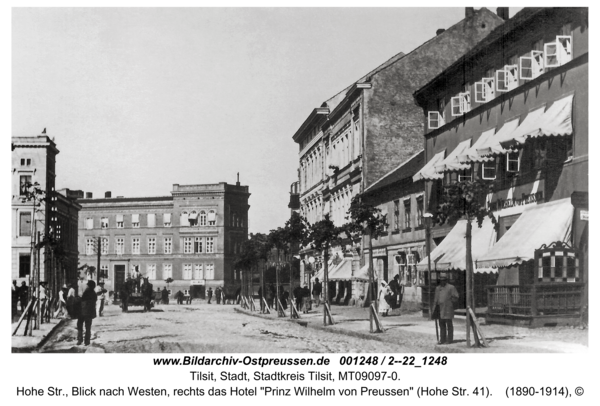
535,300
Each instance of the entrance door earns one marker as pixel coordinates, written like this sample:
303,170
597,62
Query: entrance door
119,279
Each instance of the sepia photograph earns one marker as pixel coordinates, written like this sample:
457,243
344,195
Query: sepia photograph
382,180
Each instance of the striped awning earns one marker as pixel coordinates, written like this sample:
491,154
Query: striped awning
451,163
471,154
428,171
492,145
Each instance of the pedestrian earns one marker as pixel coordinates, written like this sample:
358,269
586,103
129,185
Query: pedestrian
165,295
284,299
306,302
62,304
260,299
397,292
223,294
385,297
100,294
179,297
209,293
317,289
269,297
218,294
273,296
23,295
445,297
238,295
70,301
43,301
298,297
124,294
188,298
15,298
87,313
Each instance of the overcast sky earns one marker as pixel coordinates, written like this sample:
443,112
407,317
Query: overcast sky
140,99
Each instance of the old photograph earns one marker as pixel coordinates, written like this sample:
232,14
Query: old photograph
299,180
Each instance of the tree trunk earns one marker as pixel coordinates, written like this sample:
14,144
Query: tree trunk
469,276
325,283
373,286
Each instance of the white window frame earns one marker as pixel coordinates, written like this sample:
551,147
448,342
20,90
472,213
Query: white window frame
210,245
479,92
151,271
202,218
209,271
151,245
104,222
89,246
188,245
489,165
135,246
135,224
198,242
167,271
510,160
549,53
104,271
435,117
465,103
168,245
104,245
536,67
186,271
455,106
119,246
198,271
462,178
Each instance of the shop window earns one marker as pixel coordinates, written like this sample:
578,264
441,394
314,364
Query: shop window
557,262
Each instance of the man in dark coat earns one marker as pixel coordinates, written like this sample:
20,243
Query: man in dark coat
87,314
298,294
218,294
124,294
397,291
165,296
209,294
446,296
317,289
23,295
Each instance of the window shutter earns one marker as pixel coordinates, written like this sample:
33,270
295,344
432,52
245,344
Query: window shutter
512,76
488,88
565,49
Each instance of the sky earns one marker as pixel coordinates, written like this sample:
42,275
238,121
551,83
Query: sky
139,99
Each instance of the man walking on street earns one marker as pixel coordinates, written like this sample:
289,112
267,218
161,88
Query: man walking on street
87,313
209,293
317,288
446,296
218,294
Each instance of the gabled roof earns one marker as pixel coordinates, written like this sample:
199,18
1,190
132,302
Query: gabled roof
403,171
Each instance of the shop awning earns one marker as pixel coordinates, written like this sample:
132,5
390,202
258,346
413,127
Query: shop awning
556,121
428,171
342,272
471,155
492,145
539,224
451,253
451,163
321,272
363,273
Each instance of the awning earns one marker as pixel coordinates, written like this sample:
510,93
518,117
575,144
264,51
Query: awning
212,216
555,121
492,145
167,217
135,218
363,273
119,218
539,224
451,253
342,272
471,154
428,171
451,162
193,216
321,272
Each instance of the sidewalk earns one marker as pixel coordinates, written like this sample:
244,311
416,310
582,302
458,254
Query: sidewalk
21,343
414,331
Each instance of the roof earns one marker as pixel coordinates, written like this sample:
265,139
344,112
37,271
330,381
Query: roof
406,169
125,199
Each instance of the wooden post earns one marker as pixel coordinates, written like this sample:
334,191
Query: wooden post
374,314
280,311
266,306
22,317
481,340
293,311
327,314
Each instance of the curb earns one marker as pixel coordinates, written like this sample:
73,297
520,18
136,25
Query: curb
341,331
45,339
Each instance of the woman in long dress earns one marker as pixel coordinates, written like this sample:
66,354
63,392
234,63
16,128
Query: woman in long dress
384,293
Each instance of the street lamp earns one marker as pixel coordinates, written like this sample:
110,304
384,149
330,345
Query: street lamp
427,219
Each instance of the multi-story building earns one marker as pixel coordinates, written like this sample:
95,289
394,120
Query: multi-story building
514,112
51,216
191,236
369,128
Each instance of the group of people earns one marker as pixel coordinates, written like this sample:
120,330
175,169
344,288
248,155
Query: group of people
219,294
391,294
64,304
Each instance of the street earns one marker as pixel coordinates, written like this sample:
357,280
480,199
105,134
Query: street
203,328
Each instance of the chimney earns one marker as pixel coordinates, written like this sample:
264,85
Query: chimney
439,31
469,12
107,195
88,195
502,13
238,179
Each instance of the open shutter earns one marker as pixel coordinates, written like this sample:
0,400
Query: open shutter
565,49
538,63
465,102
512,76
501,83
488,88
551,58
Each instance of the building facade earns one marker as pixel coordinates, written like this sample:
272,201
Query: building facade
366,130
50,217
514,113
191,237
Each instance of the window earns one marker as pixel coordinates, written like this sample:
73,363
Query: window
168,245
407,213
104,222
25,223
104,244
434,120
119,221
488,170
151,271
89,223
559,52
25,182
25,161
187,271
484,90
512,162
531,66
212,218
24,265
210,271
104,271
89,246
210,245
120,246
202,220
188,247
461,104
152,245
198,245
151,219
419,211
167,271
135,220
167,219
507,78
135,246
396,215
193,218
198,271
183,220
465,175
233,219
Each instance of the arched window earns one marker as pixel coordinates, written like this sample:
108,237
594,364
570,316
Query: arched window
193,218
202,220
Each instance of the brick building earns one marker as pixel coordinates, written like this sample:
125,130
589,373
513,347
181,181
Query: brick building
191,236
514,112
369,128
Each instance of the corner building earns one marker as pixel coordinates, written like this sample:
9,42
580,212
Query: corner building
191,237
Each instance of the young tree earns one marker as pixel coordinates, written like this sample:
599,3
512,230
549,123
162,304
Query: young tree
277,239
465,199
296,235
322,235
